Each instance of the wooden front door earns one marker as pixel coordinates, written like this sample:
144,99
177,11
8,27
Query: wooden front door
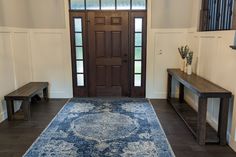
108,53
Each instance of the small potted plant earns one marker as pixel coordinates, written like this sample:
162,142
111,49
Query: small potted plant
189,59
183,51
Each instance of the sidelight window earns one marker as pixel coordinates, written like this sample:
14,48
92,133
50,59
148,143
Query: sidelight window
108,4
79,51
138,51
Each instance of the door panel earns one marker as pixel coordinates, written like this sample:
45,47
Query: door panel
108,53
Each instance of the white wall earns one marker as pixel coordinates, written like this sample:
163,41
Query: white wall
28,54
47,13
50,51
14,60
34,55
165,34
213,60
7,82
32,13
162,54
171,13
216,63
13,13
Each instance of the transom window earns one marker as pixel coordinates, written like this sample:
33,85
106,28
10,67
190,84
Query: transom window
108,4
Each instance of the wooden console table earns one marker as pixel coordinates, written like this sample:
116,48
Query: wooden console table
25,94
204,89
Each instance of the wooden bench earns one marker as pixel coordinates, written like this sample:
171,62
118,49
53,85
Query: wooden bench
204,89
25,94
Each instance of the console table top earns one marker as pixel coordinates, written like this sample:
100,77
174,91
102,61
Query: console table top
199,85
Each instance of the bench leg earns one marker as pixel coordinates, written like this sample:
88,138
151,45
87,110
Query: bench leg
26,109
45,93
201,121
223,120
10,109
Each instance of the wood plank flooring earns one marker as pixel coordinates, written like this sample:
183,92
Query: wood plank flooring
181,139
17,136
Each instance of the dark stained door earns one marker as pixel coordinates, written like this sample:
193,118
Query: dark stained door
108,51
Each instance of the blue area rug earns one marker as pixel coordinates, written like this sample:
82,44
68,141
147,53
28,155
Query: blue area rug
93,127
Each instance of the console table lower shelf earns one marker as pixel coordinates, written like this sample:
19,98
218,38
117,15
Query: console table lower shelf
189,116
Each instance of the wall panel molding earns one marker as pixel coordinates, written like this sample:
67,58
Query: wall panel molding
21,51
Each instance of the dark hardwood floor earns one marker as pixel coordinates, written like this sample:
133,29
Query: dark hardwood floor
181,139
17,136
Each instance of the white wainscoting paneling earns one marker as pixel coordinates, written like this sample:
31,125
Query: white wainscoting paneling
162,54
22,59
7,81
34,55
50,61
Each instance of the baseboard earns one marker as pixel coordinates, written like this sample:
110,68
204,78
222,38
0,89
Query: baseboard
156,95
59,94
160,95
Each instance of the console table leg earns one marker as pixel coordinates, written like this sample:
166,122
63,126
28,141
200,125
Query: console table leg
181,93
10,109
201,124
169,87
26,109
45,93
223,120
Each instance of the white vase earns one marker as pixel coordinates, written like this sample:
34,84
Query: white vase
182,67
185,66
189,69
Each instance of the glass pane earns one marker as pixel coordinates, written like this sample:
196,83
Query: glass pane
138,4
138,39
78,24
108,4
80,66
77,5
137,80
92,4
78,39
79,52
80,79
138,24
138,67
123,4
138,53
